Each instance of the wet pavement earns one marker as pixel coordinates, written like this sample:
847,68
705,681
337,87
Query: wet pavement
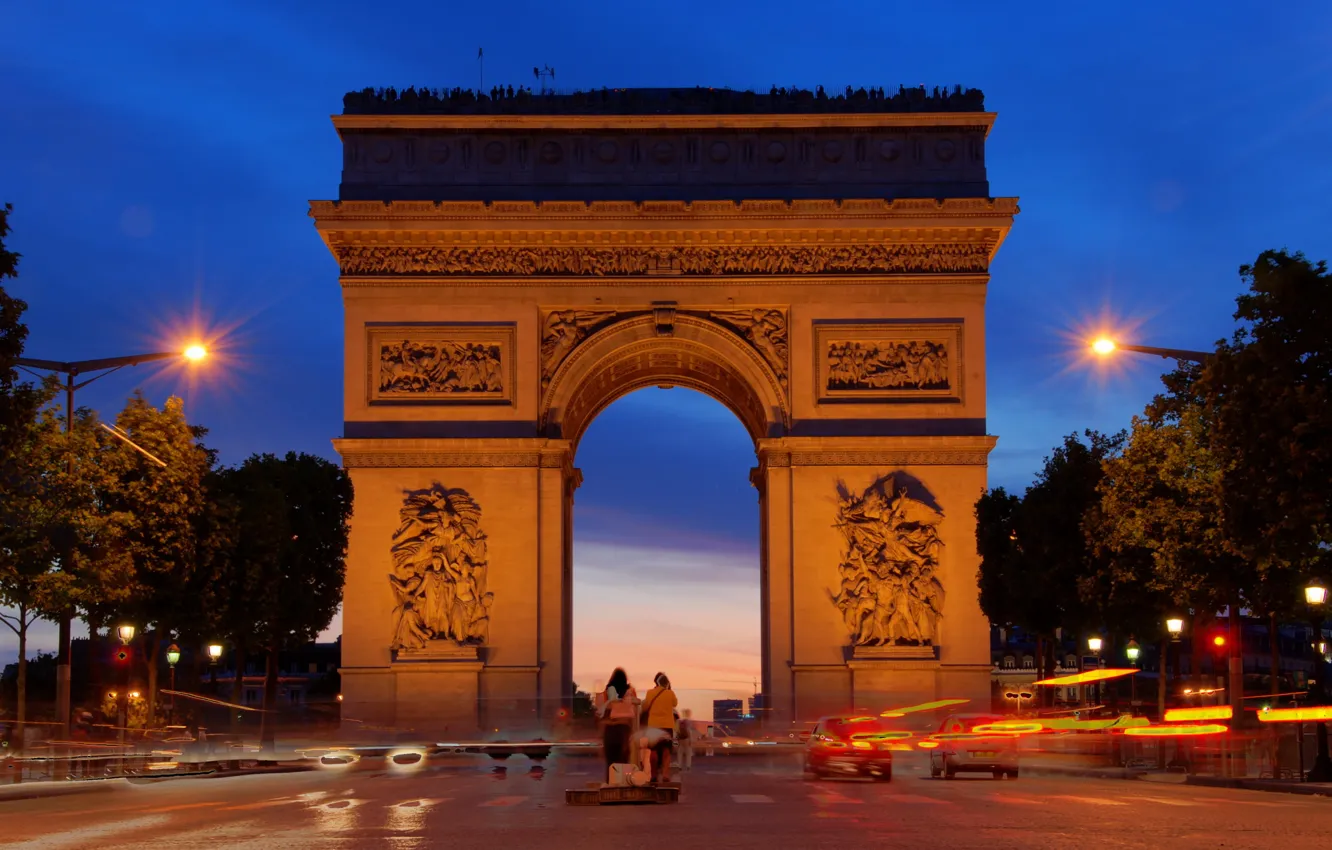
471,801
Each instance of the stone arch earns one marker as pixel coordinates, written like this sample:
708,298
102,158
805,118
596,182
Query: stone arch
637,353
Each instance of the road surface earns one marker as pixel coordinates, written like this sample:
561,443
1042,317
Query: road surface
465,802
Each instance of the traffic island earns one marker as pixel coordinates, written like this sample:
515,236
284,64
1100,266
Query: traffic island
1312,789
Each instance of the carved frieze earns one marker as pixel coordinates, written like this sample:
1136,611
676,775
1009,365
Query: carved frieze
890,593
439,572
440,363
888,361
900,258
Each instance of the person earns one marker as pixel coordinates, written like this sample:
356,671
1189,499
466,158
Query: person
617,709
684,740
657,718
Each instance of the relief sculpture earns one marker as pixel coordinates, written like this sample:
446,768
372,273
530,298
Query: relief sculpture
439,571
939,258
890,593
765,329
887,365
439,367
561,333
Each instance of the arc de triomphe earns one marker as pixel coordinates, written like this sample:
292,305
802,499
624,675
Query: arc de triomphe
510,266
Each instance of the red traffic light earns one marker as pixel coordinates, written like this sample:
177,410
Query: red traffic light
1219,642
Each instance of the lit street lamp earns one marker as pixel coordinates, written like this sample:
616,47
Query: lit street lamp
71,369
172,656
125,632
1315,594
1104,347
1133,651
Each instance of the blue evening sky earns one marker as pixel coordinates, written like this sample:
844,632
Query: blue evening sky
160,156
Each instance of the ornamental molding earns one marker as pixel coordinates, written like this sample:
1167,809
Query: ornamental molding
908,451
901,258
997,210
454,454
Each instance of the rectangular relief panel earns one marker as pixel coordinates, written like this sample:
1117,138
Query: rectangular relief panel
915,360
434,363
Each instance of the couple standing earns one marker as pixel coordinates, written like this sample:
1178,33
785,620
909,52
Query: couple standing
647,724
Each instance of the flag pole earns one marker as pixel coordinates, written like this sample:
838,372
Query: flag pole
481,71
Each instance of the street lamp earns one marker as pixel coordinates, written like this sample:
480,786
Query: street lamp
1133,651
214,652
1104,347
1316,594
125,631
172,656
71,369
1094,644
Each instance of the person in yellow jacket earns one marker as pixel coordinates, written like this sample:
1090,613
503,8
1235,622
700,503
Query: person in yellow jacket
657,721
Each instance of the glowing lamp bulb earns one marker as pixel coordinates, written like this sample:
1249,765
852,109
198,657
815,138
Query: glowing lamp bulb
196,353
1133,651
1103,346
1315,594
1174,625
1094,644
214,651
173,655
125,633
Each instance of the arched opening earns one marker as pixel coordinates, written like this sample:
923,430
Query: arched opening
666,548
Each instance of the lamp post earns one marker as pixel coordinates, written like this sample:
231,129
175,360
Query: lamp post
172,656
214,653
1094,644
1316,595
126,634
72,369
1174,625
1133,651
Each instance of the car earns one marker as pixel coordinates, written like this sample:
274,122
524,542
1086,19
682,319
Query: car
963,749
850,746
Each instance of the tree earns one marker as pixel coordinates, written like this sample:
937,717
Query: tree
1269,393
19,400
162,507
1034,553
291,537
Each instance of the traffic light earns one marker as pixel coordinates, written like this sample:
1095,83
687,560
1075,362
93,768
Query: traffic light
122,655
1219,642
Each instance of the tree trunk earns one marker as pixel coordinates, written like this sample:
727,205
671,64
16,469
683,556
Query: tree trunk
22,714
237,685
267,726
1274,647
152,643
95,660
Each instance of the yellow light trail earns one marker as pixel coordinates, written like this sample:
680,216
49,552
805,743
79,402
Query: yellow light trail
1170,731
1208,712
1089,676
1295,715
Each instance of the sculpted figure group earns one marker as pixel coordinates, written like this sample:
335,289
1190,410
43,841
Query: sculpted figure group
440,367
890,592
439,571
915,364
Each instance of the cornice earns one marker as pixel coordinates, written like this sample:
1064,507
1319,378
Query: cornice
757,121
898,282
884,451
454,454
992,211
